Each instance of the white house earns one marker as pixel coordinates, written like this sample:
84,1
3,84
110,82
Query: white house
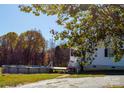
103,61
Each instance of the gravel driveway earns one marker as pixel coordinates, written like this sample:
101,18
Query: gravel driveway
87,82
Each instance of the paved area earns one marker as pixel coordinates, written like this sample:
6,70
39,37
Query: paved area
87,82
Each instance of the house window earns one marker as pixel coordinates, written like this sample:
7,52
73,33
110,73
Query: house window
106,52
113,66
94,66
109,52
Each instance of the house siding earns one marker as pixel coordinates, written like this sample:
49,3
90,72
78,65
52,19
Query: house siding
102,62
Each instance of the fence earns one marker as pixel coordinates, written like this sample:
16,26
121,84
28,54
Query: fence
25,69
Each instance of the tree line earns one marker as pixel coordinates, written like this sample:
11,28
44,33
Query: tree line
29,48
26,49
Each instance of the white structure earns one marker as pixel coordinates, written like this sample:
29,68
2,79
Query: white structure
103,61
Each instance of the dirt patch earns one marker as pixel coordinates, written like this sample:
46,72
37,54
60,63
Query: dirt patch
63,76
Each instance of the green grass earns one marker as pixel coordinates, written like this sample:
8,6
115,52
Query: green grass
16,79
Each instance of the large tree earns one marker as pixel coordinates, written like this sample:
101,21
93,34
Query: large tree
33,45
86,26
7,46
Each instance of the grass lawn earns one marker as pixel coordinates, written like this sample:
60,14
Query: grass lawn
16,79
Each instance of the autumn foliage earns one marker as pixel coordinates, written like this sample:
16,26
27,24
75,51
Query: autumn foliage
26,49
30,48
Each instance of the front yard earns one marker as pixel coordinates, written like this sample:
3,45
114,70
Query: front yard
16,79
13,80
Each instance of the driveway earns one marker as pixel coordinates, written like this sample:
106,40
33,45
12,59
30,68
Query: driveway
87,82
